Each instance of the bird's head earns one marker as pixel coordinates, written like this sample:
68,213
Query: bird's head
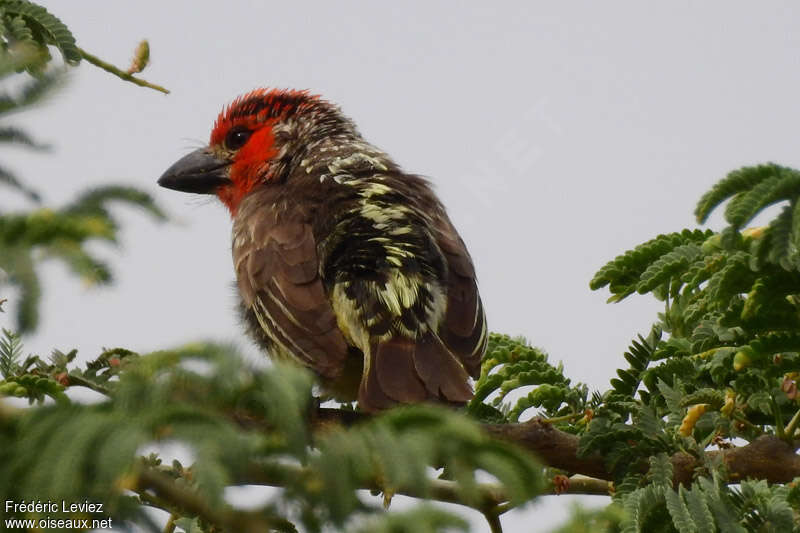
256,140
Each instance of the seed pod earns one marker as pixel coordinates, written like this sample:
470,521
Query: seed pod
692,415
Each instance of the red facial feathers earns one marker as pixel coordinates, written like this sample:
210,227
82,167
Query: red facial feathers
257,112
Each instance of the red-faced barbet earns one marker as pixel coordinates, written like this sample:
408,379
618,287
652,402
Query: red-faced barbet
345,263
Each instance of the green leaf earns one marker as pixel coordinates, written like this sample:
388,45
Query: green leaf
679,512
783,184
623,274
45,28
661,470
698,508
669,266
62,234
735,182
10,353
92,202
10,180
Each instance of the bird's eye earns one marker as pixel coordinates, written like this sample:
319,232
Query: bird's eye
236,138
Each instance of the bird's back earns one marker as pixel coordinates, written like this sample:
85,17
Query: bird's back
350,257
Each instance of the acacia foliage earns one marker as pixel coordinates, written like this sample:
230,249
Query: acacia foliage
38,232
719,367
242,426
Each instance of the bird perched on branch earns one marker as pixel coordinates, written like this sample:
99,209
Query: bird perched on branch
345,263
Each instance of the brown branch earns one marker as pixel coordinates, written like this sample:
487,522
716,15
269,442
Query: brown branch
281,475
161,490
553,447
767,457
77,380
493,519
185,500
579,484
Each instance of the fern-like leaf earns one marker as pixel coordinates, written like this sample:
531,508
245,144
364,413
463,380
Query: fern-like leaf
734,183
10,353
12,135
679,511
639,355
732,279
783,185
91,270
10,180
698,509
641,506
93,201
62,234
623,274
21,269
661,470
669,265
45,28
31,93
510,364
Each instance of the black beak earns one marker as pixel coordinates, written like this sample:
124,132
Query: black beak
199,172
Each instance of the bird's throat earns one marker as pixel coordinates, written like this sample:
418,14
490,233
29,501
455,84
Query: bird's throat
231,195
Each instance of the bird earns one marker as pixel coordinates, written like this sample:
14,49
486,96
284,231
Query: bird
345,263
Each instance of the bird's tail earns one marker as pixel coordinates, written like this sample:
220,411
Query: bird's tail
402,370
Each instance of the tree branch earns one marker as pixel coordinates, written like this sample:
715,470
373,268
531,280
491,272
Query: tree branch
281,475
767,457
80,381
553,447
108,67
169,495
493,519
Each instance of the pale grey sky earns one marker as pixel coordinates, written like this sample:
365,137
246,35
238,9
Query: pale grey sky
558,135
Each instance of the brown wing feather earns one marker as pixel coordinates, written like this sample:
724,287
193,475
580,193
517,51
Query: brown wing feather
463,330
371,396
443,376
394,367
277,269
403,370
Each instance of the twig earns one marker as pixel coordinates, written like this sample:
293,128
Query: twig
181,500
281,475
169,527
184,499
582,485
791,427
778,419
559,419
74,379
108,67
493,518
